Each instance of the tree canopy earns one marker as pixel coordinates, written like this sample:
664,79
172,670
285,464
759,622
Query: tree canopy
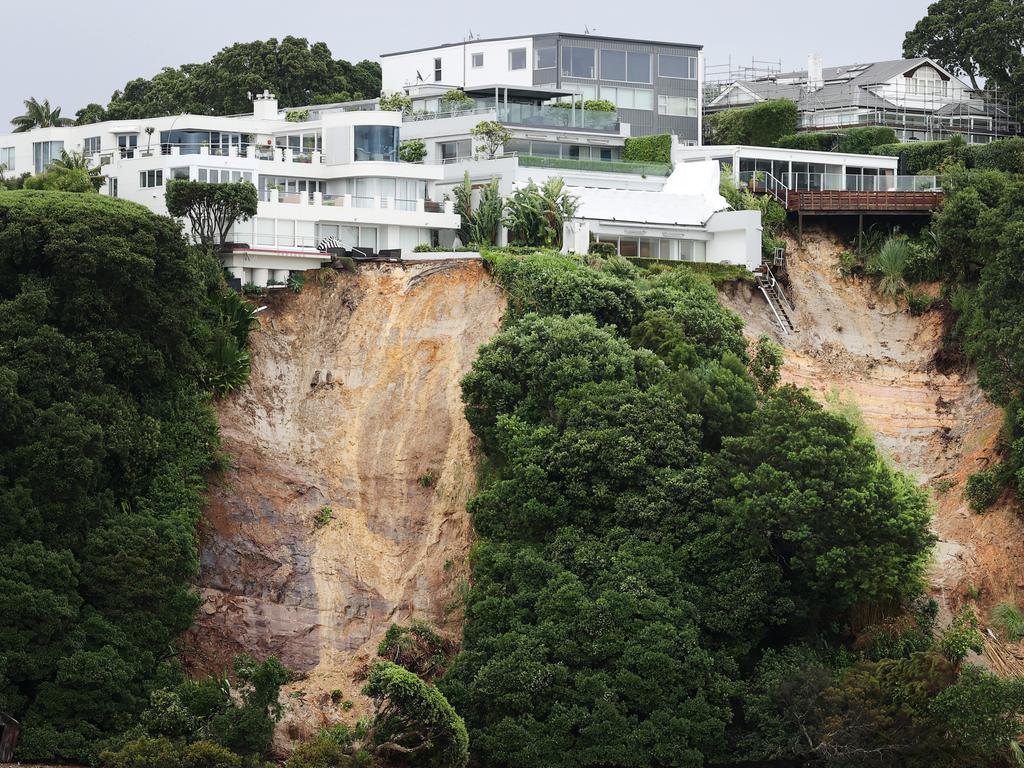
107,318
297,71
212,209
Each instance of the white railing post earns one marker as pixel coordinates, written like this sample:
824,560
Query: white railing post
420,207
348,200
318,198
449,207
278,154
275,195
318,157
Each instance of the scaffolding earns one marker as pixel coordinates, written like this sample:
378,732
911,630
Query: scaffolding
718,77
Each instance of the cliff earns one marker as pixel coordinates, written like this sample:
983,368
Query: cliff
343,509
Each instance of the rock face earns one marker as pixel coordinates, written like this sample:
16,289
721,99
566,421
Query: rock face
344,508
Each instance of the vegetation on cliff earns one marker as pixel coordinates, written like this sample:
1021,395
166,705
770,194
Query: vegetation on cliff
673,551
108,326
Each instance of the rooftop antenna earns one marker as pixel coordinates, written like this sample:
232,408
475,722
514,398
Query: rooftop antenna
587,30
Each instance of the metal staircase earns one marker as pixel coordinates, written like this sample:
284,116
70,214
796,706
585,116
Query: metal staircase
782,310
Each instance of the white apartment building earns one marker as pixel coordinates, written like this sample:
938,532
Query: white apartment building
337,175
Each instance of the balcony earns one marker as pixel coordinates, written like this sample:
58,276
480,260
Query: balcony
358,202
602,166
531,116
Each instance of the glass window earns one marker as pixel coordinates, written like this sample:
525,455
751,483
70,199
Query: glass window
638,67
670,65
478,60
44,153
643,99
149,179
7,158
628,247
437,70
376,142
349,236
545,58
578,62
179,173
517,59
613,65
265,231
112,187
286,232
454,150
679,106
546,149
368,238
91,145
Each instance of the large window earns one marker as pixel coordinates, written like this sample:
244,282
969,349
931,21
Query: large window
613,65
223,175
545,58
517,58
7,158
678,106
149,179
684,67
376,142
578,62
91,145
349,236
456,150
628,98
44,153
638,67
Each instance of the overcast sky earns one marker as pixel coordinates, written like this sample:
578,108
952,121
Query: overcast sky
74,53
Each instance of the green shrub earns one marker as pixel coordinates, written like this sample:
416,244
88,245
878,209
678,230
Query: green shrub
916,157
412,150
761,125
890,263
819,141
648,149
323,516
861,141
207,754
1002,155
983,489
395,102
319,752
296,281
1010,621
297,115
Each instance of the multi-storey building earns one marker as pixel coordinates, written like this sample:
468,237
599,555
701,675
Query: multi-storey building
918,98
337,175
655,86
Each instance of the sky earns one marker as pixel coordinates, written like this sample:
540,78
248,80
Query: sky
76,53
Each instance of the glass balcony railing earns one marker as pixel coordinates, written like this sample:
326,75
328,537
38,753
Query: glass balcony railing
605,166
535,115
839,182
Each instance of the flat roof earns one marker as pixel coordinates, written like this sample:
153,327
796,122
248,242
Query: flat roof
522,91
543,34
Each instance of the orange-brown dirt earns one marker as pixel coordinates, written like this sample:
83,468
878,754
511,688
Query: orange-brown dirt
871,359
353,411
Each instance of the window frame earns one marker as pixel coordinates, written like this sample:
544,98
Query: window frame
438,68
567,59
512,52
473,60
690,62
536,57
154,174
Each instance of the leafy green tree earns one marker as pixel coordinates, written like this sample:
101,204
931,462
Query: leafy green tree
106,317
535,215
39,115
412,150
479,224
90,113
766,365
298,72
973,38
212,209
492,136
413,720
395,102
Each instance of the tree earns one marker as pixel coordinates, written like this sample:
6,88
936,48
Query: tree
412,150
479,225
77,161
395,102
537,215
106,437
298,72
973,38
39,115
492,135
212,209
90,113
413,720
456,101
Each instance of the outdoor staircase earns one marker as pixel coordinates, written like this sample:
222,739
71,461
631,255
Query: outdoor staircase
781,310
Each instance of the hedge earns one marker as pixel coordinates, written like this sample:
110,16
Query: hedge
858,141
648,149
916,157
760,125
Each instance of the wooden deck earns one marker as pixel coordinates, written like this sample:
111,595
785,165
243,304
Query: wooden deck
836,202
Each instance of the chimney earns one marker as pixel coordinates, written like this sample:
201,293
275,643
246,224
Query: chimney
264,106
815,78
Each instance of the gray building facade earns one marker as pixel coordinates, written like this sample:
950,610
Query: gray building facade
654,85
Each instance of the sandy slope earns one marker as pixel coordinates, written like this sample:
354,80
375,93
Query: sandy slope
875,361
395,342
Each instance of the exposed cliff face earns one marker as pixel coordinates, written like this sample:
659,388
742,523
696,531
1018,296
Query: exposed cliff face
353,412
865,355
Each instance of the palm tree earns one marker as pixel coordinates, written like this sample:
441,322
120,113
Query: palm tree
39,116
77,161
890,263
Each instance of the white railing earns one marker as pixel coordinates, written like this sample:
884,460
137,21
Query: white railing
760,182
415,117
839,182
362,202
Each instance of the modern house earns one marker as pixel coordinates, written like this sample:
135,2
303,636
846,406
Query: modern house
918,98
655,86
338,175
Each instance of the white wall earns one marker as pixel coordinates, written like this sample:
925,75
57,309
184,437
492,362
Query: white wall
400,70
736,238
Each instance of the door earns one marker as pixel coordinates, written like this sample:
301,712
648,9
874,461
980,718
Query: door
128,143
